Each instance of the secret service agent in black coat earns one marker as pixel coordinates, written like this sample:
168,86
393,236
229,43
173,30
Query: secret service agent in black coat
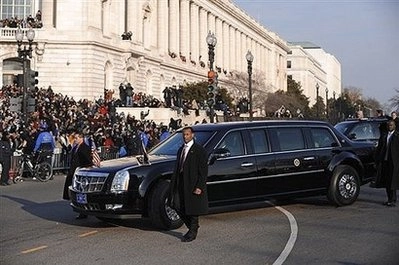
81,157
5,158
387,159
184,185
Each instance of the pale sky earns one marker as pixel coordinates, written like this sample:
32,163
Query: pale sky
362,35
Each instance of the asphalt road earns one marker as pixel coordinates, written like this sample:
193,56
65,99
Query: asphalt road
38,227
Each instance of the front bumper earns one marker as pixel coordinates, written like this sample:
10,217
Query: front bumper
107,205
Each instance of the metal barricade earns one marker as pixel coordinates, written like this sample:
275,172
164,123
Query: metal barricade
61,160
15,165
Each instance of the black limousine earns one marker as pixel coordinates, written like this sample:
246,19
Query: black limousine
248,161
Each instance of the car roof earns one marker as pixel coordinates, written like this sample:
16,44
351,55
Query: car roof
241,124
365,120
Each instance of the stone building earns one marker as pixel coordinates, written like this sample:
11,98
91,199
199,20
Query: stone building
80,50
310,65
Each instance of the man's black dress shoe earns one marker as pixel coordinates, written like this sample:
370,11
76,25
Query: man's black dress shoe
189,236
389,204
81,216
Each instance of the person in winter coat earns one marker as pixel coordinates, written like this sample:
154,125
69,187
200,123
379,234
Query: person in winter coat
188,193
387,160
5,158
81,157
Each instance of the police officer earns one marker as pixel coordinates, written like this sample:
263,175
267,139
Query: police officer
45,140
5,158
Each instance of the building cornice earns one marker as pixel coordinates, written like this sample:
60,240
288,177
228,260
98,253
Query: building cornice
223,7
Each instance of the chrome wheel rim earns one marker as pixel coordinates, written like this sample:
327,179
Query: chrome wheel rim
347,186
172,214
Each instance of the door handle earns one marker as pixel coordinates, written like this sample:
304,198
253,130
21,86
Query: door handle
247,164
309,158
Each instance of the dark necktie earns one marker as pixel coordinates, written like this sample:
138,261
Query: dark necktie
182,158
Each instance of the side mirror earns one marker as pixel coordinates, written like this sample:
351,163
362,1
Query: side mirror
352,136
218,153
334,144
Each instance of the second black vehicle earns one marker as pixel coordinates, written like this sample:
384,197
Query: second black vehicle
248,161
364,130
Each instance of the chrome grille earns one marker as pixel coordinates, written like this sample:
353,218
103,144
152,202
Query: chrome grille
89,181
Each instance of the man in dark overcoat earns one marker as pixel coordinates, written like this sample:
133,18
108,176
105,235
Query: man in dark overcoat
81,157
387,159
188,192
5,158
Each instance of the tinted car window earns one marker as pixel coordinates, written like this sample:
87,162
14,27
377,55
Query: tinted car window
363,131
366,131
290,139
233,142
343,127
259,141
322,138
174,142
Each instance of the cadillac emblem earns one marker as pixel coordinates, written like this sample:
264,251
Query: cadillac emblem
297,163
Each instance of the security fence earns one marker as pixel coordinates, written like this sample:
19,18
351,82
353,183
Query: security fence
61,160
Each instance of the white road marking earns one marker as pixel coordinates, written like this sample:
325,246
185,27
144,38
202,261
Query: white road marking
291,241
33,249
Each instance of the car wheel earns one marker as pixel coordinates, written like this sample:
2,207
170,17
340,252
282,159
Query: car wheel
161,215
344,186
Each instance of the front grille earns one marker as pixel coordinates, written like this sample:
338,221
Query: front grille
89,206
89,181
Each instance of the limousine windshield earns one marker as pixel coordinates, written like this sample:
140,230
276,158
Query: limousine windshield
175,141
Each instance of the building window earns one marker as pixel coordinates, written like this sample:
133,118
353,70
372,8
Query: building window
15,8
288,64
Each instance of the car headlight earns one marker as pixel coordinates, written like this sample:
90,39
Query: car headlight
120,181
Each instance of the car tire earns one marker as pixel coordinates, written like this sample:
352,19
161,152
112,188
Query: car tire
161,215
344,186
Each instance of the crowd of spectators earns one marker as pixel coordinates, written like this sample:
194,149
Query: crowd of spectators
96,119
28,22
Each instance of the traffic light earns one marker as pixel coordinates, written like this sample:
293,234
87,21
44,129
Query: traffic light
32,81
212,87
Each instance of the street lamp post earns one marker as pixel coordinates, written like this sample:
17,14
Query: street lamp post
250,59
211,41
25,54
327,103
317,100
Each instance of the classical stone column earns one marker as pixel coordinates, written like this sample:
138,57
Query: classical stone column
48,13
233,61
203,31
174,15
244,50
185,28
139,15
257,49
162,27
132,17
211,23
226,47
219,60
194,32
238,50
262,60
